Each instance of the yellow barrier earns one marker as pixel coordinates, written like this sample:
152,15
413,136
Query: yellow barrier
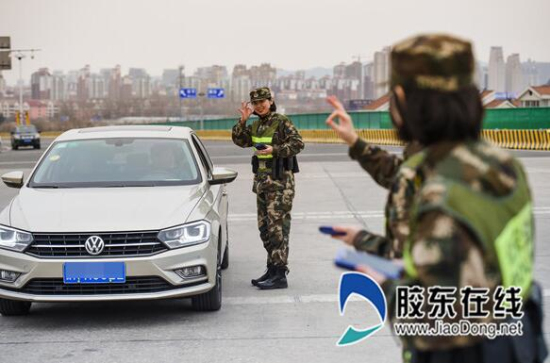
509,139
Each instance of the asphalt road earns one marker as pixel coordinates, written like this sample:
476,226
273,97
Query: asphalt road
299,324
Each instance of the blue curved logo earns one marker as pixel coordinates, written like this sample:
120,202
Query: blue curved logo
362,285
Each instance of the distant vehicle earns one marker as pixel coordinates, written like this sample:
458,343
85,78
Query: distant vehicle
25,135
116,213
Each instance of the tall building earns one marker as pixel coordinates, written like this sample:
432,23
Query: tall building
354,71
170,77
536,73
126,88
368,82
115,84
263,75
339,71
381,72
544,72
213,74
97,88
241,83
72,85
136,73
41,84
481,76
83,84
141,87
497,70
59,86
240,88
141,82
514,75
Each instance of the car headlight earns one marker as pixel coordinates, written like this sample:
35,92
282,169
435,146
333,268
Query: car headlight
16,137
37,136
14,239
185,235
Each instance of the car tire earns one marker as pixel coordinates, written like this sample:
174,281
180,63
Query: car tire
14,147
211,300
14,307
37,146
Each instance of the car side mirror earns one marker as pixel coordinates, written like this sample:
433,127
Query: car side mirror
222,176
13,179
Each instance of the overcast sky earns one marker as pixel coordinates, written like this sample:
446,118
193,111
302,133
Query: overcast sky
289,34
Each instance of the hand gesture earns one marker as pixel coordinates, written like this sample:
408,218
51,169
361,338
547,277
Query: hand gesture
267,151
344,129
245,111
350,234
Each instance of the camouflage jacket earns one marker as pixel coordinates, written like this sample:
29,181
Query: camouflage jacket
443,250
287,141
384,168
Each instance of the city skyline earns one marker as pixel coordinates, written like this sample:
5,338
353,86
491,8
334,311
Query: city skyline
318,69
303,35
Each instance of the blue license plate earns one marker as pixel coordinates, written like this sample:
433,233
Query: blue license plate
94,273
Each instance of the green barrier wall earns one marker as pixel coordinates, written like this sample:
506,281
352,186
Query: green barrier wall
503,119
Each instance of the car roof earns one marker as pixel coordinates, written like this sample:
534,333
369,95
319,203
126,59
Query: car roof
168,132
19,127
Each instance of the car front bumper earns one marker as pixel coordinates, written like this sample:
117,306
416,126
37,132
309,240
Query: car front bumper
161,266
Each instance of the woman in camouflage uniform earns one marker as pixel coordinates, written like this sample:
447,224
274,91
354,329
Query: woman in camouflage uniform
470,217
274,166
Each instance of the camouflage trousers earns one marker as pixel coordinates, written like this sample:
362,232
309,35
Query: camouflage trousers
274,201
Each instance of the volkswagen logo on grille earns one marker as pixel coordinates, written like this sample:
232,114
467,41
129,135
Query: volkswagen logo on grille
94,245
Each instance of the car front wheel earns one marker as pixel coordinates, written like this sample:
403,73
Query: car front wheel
14,307
211,300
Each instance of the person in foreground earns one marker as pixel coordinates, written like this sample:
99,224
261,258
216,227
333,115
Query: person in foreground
470,221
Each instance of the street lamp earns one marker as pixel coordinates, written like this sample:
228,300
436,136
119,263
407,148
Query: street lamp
20,54
181,68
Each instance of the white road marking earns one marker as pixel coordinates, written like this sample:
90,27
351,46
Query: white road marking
295,299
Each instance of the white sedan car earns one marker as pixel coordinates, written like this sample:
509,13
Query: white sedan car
116,213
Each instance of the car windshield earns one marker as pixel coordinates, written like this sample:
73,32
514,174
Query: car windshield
24,129
117,162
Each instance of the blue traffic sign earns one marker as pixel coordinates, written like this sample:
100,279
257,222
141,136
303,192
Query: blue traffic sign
216,93
188,93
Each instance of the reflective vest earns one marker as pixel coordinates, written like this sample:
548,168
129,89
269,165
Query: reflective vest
266,137
502,225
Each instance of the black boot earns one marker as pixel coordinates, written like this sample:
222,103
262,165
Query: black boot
276,281
267,274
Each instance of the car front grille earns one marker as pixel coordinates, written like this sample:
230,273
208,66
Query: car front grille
72,245
133,285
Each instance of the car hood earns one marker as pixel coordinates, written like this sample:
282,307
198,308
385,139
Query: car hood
103,209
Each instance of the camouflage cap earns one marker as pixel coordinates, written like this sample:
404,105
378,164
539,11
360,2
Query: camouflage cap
261,93
433,61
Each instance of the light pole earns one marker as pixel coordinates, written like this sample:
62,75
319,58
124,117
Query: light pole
201,95
20,57
180,78
20,54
